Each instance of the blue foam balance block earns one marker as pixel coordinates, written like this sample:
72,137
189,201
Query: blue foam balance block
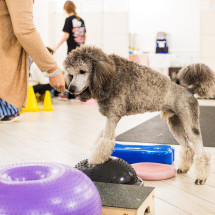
144,153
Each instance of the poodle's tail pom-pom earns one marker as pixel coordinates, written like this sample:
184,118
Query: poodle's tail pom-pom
199,79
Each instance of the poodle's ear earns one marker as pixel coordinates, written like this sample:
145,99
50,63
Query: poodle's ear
102,74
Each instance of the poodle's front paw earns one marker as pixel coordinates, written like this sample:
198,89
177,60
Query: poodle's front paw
101,151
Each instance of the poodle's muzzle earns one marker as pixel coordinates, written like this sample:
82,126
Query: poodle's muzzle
72,89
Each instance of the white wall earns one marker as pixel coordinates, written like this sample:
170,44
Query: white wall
178,18
207,33
106,23
41,18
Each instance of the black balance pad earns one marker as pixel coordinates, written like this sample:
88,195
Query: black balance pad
115,170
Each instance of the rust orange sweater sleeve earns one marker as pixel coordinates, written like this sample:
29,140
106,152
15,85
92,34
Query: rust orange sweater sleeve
21,13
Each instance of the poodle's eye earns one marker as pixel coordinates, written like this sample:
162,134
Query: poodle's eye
82,72
71,77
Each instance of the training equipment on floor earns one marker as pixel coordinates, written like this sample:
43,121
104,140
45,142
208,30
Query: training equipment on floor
47,188
32,105
142,153
115,170
47,102
121,199
154,171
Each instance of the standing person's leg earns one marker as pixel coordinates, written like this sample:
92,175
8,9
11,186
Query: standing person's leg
8,112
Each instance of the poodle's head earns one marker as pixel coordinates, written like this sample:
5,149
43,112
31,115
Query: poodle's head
88,72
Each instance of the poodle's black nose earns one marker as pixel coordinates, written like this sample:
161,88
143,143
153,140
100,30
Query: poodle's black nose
72,89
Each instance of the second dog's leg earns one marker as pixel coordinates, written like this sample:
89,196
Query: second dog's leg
187,153
105,145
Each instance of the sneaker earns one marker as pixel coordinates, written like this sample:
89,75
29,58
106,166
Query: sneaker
11,118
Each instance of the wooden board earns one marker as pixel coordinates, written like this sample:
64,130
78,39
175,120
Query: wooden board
118,199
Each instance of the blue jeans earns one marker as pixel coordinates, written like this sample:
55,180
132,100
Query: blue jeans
7,109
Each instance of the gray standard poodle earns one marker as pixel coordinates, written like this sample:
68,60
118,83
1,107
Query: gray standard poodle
122,88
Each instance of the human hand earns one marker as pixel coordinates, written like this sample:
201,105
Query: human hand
58,82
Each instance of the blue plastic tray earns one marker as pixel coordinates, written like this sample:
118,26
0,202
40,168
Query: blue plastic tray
142,153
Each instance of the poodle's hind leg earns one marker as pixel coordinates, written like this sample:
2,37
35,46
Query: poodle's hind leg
201,158
105,143
186,153
190,121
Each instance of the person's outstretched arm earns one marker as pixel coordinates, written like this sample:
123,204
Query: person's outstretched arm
21,13
63,39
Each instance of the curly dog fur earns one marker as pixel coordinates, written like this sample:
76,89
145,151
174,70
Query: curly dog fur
122,88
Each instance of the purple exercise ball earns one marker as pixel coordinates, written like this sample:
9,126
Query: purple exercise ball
47,189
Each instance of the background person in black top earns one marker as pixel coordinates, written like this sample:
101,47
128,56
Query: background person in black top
74,33
74,28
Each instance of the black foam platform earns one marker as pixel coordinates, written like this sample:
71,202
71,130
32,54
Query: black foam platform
115,170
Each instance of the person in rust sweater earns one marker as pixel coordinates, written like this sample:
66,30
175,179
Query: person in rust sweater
18,40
